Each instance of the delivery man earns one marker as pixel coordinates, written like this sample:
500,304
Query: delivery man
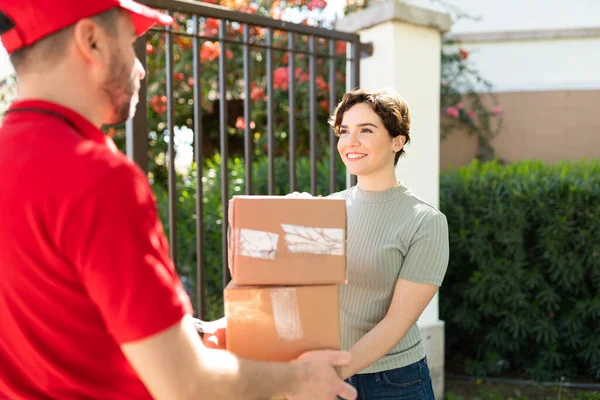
90,304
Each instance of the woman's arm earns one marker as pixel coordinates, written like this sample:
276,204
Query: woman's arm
421,275
408,302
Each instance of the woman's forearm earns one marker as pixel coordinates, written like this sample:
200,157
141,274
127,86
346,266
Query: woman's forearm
408,302
375,344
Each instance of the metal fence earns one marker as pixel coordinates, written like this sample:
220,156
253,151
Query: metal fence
137,129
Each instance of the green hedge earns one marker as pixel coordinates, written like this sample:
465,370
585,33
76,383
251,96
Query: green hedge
522,292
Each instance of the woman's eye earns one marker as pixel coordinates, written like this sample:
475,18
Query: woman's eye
343,132
367,130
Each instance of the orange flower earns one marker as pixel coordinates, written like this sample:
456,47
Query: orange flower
211,27
301,75
210,51
159,104
321,84
324,105
257,93
463,54
184,42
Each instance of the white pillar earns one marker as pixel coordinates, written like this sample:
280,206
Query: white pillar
406,59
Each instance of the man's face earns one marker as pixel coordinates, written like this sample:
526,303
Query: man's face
122,82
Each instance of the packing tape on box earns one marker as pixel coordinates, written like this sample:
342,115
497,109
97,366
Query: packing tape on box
298,239
310,240
256,244
286,313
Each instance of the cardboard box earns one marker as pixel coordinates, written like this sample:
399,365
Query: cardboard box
278,240
271,323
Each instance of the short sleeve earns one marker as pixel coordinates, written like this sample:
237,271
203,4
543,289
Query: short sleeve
117,245
426,260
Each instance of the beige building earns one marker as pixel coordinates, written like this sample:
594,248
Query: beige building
543,59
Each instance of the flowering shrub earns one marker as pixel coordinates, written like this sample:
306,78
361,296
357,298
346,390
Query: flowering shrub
465,99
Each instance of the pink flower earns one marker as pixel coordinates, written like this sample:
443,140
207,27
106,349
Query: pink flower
240,123
496,110
452,111
281,78
471,114
460,106
318,4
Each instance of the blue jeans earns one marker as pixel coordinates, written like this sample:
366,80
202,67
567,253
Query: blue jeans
412,382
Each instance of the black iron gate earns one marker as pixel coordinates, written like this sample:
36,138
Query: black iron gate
137,128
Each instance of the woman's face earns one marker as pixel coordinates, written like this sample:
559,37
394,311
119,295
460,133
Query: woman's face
364,144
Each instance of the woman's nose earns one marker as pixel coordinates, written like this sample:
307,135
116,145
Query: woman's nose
352,139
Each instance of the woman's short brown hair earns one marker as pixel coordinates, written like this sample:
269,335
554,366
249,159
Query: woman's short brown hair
392,110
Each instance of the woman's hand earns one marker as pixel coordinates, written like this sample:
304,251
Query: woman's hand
213,333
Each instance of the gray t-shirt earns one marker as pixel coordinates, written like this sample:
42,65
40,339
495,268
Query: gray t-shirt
392,234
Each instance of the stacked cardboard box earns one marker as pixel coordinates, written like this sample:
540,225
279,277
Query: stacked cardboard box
287,256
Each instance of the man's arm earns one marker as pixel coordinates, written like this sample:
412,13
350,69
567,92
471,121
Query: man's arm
174,365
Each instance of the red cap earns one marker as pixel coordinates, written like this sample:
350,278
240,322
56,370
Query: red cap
36,19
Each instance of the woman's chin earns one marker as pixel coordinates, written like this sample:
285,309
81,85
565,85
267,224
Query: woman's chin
352,170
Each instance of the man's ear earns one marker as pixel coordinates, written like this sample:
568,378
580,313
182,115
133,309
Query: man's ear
6,24
89,40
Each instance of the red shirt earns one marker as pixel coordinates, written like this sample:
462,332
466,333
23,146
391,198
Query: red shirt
84,263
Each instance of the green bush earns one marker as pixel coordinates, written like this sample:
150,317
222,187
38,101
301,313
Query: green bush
213,213
522,292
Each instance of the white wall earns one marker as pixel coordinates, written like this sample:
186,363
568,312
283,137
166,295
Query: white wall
508,15
532,65
5,67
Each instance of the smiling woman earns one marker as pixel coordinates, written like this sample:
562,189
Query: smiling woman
397,252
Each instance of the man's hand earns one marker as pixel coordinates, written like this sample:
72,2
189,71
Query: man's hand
319,379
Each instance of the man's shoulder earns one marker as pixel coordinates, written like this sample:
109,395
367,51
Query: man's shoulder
65,164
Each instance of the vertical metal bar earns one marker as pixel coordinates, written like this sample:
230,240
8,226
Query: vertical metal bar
247,134
136,128
313,114
270,122
332,101
198,157
171,149
349,84
356,64
224,149
292,111
355,80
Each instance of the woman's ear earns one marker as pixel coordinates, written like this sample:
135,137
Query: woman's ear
398,143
